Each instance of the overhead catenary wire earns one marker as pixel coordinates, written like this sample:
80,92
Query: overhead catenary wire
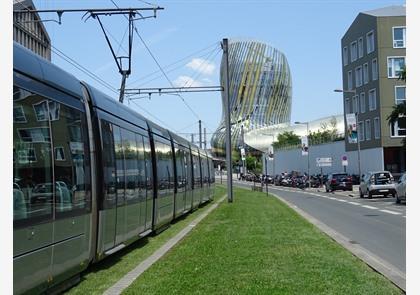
160,67
168,67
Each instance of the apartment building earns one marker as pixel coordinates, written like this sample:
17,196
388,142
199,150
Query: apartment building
28,29
373,56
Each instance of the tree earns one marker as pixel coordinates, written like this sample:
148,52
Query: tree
399,110
286,138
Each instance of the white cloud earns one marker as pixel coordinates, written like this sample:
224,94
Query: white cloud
202,66
186,81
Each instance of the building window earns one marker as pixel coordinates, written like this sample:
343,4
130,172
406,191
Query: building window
353,51
398,37
398,128
376,128
370,42
347,107
362,102
372,99
365,73
360,47
345,56
375,69
399,94
361,131
349,80
355,104
395,66
368,130
358,76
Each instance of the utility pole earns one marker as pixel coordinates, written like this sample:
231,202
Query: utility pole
205,139
192,138
199,134
226,105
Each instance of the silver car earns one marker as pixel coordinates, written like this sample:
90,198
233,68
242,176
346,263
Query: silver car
400,189
377,183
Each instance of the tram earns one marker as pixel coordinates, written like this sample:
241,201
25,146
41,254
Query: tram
90,175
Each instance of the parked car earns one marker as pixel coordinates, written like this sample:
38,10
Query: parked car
377,183
338,181
400,189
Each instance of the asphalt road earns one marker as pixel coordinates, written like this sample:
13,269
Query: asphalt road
377,224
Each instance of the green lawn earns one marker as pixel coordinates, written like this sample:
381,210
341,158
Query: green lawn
99,277
257,245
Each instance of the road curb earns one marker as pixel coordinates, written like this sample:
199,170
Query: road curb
378,264
131,276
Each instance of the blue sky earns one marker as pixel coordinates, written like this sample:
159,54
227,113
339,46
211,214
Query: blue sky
308,32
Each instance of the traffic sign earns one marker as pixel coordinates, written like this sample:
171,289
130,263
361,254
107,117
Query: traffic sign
344,161
324,162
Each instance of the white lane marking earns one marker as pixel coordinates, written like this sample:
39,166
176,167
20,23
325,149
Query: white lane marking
342,200
354,203
369,207
390,212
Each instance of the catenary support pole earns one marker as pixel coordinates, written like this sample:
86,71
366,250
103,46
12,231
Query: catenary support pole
199,134
226,105
205,138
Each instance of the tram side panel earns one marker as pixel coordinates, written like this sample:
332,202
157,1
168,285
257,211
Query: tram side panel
126,203
51,185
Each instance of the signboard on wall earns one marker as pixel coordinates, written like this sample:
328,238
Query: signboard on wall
323,162
351,128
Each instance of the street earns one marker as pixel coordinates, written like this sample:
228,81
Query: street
377,224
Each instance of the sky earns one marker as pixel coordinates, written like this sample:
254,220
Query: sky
188,33
307,32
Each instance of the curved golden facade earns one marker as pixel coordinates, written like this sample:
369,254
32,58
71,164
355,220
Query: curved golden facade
260,91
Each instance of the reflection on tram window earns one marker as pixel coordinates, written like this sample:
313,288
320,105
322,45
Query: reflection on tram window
119,160
18,115
42,109
32,166
108,164
70,169
141,167
132,176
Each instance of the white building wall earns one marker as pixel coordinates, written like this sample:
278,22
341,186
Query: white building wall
288,160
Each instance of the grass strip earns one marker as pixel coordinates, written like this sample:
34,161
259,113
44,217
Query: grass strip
258,245
99,277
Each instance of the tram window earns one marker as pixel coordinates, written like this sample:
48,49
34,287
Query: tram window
32,162
119,160
179,157
197,173
148,162
71,160
187,162
141,166
132,176
164,167
108,164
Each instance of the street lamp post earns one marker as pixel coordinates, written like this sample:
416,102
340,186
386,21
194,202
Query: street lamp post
353,91
307,134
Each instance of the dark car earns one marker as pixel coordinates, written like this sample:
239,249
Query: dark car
339,181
